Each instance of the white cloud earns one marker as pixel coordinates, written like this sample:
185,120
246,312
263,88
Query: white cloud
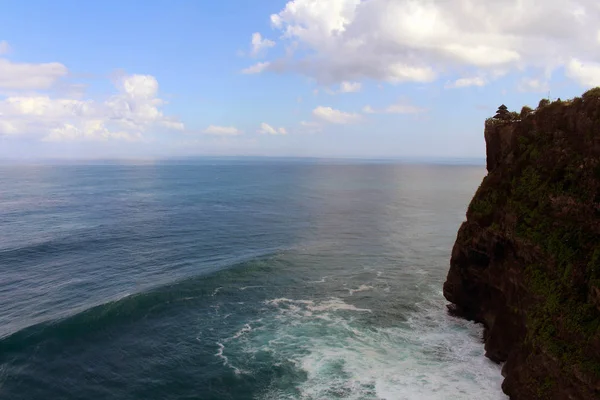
481,55
267,129
259,44
417,41
587,74
350,87
398,73
333,116
4,47
256,68
132,111
533,85
222,130
29,76
466,82
398,108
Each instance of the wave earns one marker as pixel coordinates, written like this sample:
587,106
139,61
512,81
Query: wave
60,245
131,307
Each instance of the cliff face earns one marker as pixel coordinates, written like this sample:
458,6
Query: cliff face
526,263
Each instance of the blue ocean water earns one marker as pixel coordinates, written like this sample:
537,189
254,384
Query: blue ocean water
233,279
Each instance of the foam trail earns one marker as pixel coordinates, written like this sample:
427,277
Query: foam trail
225,359
251,287
283,300
361,288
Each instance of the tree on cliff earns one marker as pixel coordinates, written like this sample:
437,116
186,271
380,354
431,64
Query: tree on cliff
591,94
543,103
502,113
525,111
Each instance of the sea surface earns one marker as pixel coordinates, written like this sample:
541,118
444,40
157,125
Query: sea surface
235,279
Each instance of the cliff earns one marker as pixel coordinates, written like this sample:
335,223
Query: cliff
526,263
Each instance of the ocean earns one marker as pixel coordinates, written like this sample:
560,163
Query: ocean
235,279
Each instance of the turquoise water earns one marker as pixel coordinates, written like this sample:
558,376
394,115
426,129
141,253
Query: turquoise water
235,280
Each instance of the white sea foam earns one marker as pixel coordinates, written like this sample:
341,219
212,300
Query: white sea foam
431,356
434,357
247,328
307,308
216,291
335,304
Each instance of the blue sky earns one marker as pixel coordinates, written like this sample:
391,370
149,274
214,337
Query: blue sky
336,78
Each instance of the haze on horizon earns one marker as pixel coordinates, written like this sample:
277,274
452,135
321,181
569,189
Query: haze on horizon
335,78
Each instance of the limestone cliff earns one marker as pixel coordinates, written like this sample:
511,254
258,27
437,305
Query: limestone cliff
526,263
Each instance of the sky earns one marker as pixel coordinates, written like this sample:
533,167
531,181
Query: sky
303,78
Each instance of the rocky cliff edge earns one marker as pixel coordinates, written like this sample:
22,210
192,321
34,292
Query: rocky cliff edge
526,263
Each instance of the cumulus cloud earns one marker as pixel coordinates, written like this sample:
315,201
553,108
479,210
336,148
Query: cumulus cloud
587,74
418,41
267,129
466,82
259,44
222,130
133,110
350,87
398,108
533,85
256,68
332,116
